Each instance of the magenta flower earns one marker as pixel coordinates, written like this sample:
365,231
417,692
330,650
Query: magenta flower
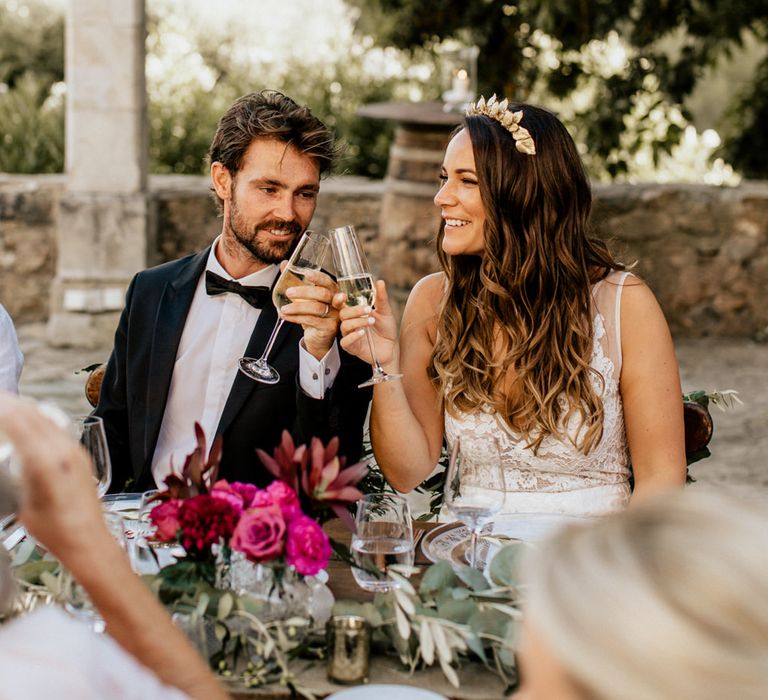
165,518
260,534
285,497
308,548
237,494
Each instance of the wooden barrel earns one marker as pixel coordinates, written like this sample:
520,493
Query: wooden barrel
409,219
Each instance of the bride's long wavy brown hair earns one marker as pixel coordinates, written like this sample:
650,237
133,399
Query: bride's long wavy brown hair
525,303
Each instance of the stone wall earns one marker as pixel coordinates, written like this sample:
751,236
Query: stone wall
703,250
28,220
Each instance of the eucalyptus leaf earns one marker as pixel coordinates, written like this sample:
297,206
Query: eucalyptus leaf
366,610
426,643
476,645
472,577
224,608
459,611
489,622
51,582
32,570
444,652
24,552
505,566
437,577
403,626
404,602
221,631
202,604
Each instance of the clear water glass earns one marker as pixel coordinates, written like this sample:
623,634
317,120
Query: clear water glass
383,536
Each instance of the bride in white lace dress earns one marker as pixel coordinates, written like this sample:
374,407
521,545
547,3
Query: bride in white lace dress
532,334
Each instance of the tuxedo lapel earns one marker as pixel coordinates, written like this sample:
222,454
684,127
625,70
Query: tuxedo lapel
244,386
169,325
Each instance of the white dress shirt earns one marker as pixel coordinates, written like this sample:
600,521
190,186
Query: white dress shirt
215,336
11,359
47,654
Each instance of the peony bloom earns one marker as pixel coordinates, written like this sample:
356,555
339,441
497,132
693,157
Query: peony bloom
204,520
237,494
308,548
284,496
260,533
165,518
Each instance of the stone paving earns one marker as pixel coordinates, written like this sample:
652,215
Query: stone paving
739,447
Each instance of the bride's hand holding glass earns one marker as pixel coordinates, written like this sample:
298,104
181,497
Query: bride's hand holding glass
355,318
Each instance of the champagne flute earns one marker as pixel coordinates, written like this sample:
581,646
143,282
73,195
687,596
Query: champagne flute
474,486
383,536
355,280
310,254
89,430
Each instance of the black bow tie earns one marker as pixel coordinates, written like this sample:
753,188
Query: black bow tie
255,296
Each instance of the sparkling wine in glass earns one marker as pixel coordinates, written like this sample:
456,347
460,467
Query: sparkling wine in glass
310,254
89,430
355,280
474,486
383,536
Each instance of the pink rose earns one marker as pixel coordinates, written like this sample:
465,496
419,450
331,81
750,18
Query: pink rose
308,548
260,534
165,518
237,494
284,496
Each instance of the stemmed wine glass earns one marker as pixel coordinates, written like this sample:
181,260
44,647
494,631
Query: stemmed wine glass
89,430
310,254
355,280
474,486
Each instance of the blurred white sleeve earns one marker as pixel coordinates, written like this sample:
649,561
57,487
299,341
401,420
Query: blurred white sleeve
11,359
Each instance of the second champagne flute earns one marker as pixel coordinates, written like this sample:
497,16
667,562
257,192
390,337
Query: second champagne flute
89,430
355,280
310,254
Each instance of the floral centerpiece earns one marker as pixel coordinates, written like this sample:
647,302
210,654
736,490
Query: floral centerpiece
251,555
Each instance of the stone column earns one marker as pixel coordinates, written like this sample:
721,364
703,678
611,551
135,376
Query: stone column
102,228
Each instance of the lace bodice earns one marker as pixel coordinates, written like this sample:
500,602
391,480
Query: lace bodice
559,467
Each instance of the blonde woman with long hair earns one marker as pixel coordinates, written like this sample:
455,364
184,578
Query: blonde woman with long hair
668,601
532,333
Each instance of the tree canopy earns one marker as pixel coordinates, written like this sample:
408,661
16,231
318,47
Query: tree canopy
669,45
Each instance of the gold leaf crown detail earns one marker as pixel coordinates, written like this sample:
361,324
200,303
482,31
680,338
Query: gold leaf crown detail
510,120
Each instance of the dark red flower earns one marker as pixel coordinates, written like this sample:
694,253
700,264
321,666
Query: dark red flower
203,521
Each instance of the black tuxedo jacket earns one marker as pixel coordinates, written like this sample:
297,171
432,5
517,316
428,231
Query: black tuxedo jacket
138,376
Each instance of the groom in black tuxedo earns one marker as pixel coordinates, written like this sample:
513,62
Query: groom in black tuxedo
185,324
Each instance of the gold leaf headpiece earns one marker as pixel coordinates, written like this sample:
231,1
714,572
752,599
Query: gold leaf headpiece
509,120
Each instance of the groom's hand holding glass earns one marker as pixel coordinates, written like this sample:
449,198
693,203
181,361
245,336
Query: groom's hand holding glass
312,306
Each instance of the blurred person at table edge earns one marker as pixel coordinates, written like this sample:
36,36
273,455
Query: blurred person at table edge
11,358
178,342
664,601
48,654
532,332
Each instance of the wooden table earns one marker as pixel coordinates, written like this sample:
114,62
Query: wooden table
477,682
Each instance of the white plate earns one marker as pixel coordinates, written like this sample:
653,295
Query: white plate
449,541
383,690
122,502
